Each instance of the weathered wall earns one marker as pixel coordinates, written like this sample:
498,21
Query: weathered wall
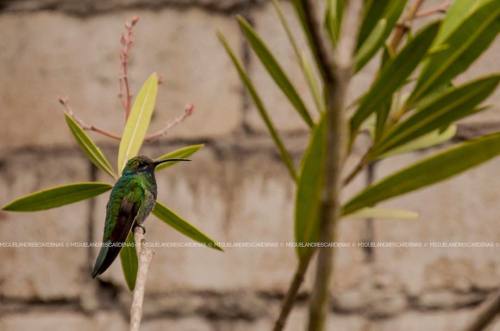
235,190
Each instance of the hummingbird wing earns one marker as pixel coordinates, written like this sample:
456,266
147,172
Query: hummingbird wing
121,212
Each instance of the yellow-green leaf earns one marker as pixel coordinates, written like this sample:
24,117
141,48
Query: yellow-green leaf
128,258
177,154
310,184
373,43
138,121
384,213
431,139
458,11
93,152
169,217
57,196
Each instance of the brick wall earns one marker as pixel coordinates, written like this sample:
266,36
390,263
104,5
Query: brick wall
235,190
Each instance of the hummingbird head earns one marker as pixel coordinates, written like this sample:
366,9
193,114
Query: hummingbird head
145,164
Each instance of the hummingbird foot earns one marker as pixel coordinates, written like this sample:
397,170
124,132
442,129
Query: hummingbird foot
142,227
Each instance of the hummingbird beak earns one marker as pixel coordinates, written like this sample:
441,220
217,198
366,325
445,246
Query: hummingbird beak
157,163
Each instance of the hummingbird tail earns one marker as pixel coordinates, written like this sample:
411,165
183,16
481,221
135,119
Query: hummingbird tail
106,256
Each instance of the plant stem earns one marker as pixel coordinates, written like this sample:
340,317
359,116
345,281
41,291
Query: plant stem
336,76
188,111
402,29
291,294
363,162
144,254
88,127
127,40
487,315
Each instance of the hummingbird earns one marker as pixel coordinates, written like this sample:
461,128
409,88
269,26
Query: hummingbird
131,200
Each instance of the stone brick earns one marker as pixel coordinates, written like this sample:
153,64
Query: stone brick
415,321
184,324
62,320
50,54
89,7
44,273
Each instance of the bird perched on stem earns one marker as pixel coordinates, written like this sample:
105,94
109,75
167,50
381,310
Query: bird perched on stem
130,202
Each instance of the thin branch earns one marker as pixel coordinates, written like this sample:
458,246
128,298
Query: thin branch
336,76
363,162
65,103
145,255
291,294
126,40
402,29
487,315
439,9
188,111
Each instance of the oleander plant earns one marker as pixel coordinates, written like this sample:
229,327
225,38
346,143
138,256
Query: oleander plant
414,102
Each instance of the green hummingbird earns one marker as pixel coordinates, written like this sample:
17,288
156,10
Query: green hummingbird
131,200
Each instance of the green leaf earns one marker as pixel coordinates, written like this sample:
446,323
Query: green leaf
128,258
180,153
172,219
285,156
370,46
373,12
333,18
379,19
138,121
427,172
394,74
448,107
462,48
57,196
384,213
458,11
301,59
310,185
274,69
89,148
430,139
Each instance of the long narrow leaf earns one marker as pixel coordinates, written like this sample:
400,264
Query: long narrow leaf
301,59
459,50
333,18
430,139
309,189
370,46
138,121
89,147
285,156
57,196
394,75
128,258
458,11
172,219
177,154
373,12
449,107
384,213
427,172
274,69
379,19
